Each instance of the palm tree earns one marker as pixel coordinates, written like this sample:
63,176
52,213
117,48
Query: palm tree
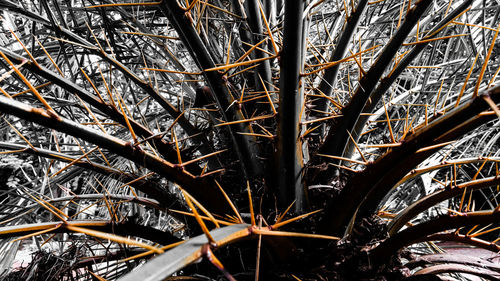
294,140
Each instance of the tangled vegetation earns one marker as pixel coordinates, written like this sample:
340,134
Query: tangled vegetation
249,139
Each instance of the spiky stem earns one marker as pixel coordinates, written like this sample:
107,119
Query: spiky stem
290,105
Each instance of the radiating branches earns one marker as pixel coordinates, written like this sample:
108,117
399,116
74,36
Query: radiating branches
175,128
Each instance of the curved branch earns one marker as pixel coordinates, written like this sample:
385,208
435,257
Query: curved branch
419,171
452,258
450,268
149,187
464,239
432,199
210,196
365,190
408,236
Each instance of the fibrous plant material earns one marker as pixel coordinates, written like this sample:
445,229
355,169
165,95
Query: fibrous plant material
259,140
